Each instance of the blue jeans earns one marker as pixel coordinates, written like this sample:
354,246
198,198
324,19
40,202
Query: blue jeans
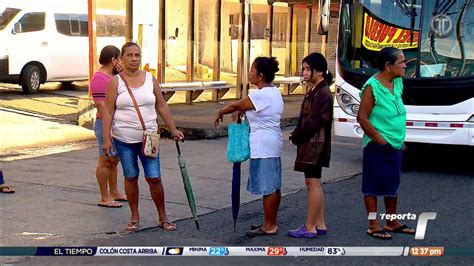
1,177
129,154
100,136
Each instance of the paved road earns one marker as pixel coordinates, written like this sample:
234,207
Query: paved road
441,185
448,195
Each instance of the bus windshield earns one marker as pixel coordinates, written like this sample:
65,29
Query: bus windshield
6,15
437,37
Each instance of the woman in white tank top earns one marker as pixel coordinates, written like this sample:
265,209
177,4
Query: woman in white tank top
121,122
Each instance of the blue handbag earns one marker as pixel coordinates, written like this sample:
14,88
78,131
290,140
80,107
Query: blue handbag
238,147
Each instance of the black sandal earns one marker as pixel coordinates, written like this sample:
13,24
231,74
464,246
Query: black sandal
379,234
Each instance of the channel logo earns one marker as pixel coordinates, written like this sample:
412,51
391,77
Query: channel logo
174,251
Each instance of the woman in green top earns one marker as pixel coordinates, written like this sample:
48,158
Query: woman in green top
382,116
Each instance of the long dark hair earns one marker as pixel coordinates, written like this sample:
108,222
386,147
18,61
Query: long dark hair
267,66
387,55
316,61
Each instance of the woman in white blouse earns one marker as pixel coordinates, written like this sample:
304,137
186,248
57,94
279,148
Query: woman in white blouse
263,109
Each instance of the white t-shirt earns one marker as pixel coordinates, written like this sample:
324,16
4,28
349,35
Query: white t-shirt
266,140
126,125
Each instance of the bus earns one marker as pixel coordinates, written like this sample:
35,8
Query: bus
437,38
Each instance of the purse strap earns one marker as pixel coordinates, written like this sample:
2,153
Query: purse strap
134,101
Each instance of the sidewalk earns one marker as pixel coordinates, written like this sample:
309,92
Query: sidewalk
21,132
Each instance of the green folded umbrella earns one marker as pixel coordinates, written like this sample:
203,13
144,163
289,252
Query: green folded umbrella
187,185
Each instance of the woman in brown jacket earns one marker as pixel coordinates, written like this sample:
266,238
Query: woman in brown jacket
313,138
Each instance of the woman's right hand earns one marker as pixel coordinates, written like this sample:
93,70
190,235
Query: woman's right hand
219,117
235,115
107,146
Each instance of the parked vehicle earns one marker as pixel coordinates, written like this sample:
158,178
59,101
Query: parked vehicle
47,41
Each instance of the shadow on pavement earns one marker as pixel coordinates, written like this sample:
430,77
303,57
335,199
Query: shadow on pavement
449,159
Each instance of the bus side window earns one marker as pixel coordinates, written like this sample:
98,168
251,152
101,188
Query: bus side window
30,22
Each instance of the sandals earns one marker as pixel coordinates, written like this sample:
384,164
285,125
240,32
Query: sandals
6,189
110,204
122,198
379,234
132,226
167,226
402,229
260,232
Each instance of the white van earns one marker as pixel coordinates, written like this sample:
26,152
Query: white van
49,42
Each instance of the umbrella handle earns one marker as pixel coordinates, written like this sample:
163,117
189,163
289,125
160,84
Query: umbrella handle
177,148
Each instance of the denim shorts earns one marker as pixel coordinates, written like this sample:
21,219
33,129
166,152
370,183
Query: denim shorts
129,154
100,137
264,176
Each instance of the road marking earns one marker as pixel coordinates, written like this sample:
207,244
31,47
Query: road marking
36,115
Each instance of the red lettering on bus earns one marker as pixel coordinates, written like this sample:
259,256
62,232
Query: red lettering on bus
368,25
373,31
384,32
391,34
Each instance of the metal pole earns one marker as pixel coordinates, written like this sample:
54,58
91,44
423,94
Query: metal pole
269,29
92,38
247,41
190,46
216,64
240,51
129,19
307,34
324,38
161,40
289,47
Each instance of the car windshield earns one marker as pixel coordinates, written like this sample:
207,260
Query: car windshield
6,15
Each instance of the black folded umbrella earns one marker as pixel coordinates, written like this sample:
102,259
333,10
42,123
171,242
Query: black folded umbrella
235,191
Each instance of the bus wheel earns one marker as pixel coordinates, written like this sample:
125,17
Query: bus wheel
31,79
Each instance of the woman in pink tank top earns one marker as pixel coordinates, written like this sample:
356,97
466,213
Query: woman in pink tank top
106,171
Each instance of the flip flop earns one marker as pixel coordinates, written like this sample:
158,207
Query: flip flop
379,234
110,204
132,226
167,226
253,227
402,229
123,199
321,231
260,232
7,189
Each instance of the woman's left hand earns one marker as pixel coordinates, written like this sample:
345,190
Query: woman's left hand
177,135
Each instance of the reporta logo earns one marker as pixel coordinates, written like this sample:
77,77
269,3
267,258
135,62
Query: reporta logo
420,227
